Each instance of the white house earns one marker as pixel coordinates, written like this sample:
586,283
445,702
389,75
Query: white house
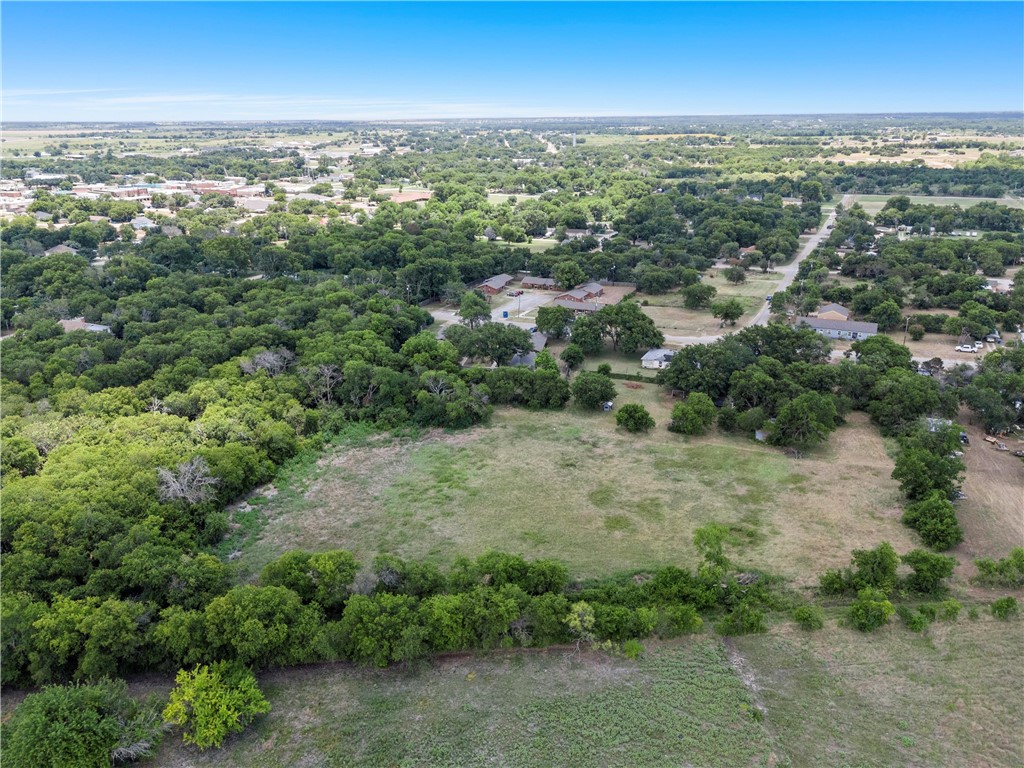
657,358
839,329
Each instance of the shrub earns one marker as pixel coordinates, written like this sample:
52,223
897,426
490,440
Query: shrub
929,570
809,617
876,567
751,421
870,610
633,417
604,369
973,614
744,619
591,390
915,622
1004,608
934,518
727,418
81,725
694,415
678,620
632,649
916,332
1005,572
949,610
835,581
213,701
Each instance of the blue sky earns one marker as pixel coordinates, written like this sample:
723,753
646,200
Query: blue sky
289,61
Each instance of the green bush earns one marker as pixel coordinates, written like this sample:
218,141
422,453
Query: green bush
809,617
81,725
949,610
694,415
744,619
1005,572
870,610
212,702
929,569
1004,608
678,620
632,649
835,582
727,418
633,417
591,389
914,621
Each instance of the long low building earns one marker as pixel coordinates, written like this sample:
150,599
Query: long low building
840,329
547,283
578,306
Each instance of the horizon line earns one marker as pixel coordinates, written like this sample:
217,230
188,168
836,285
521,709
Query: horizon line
449,119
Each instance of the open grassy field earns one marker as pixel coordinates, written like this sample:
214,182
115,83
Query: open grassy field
952,697
874,203
674,319
683,704
570,485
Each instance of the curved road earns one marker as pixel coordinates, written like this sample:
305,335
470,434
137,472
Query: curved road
788,272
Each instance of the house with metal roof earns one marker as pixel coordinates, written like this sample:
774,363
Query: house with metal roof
840,329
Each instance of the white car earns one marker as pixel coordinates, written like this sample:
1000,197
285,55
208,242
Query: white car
966,348
978,346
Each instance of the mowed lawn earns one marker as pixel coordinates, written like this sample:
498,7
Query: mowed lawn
570,485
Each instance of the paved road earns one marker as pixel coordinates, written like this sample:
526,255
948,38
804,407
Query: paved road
788,276
789,270
521,304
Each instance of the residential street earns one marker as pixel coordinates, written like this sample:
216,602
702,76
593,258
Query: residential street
788,272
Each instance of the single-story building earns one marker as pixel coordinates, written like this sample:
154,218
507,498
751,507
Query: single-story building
142,222
525,360
577,306
657,358
577,234
583,293
840,329
547,283
495,285
79,324
62,248
539,341
832,312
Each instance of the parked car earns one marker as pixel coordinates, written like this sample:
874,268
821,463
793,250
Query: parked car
978,346
964,439
966,348
768,298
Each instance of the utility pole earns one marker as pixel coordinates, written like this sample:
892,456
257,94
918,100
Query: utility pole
906,328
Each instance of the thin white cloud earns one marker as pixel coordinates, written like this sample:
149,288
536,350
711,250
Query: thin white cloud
222,106
23,92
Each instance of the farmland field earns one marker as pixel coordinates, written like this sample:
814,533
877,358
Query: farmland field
571,486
